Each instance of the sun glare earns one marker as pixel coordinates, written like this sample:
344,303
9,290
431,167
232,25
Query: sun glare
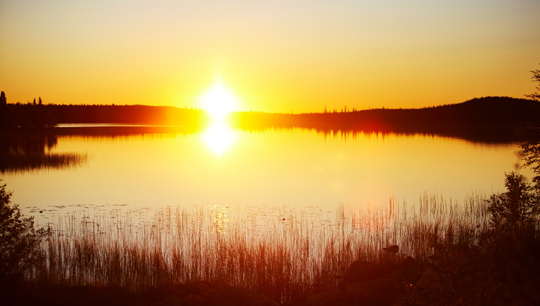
219,137
219,101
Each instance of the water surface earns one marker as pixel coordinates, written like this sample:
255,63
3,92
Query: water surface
241,168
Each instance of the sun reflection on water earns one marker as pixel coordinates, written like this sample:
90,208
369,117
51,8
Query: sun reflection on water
219,137
220,218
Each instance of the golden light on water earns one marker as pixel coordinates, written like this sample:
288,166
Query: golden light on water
220,218
219,137
219,101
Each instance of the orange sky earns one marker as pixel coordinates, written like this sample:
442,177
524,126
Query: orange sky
276,56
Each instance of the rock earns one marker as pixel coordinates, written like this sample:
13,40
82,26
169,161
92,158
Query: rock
362,271
409,261
360,266
393,249
326,298
233,296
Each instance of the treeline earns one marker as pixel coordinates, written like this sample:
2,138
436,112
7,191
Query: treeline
40,116
487,112
26,116
126,114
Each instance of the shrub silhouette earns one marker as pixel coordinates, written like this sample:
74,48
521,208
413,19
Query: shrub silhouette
530,153
530,150
535,78
513,222
20,250
515,209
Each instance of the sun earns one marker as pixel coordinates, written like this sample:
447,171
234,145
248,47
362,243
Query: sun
219,101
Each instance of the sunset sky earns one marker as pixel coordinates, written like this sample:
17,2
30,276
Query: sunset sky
276,56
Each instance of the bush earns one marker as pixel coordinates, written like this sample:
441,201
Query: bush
515,209
514,218
20,250
512,240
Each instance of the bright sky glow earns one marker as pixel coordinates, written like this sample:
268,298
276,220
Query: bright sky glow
278,56
219,101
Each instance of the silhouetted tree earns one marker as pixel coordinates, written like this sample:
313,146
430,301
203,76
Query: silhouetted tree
40,102
536,78
3,100
20,250
3,111
516,208
519,207
530,150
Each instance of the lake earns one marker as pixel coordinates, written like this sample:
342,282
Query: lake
217,165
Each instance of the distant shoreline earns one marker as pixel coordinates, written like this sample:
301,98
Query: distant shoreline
491,119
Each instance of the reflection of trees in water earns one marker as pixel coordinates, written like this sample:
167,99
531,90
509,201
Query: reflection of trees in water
475,135
21,153
24,145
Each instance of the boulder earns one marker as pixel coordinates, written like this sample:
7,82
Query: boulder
409,261
361,271
392,249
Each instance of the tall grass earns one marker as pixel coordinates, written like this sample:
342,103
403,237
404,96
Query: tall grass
279,254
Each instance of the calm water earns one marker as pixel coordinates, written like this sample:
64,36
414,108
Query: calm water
289,167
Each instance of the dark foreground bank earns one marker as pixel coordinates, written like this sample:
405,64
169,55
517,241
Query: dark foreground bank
457,275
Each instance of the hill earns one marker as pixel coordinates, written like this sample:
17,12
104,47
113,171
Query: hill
487,112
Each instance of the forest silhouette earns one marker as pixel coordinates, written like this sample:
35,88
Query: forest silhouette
476,113
487,119
487,112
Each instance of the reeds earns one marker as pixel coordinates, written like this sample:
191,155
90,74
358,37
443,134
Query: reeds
280,253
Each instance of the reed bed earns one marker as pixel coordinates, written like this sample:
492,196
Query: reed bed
280,254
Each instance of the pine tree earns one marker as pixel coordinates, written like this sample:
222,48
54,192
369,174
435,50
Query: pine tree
536,78
3,100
